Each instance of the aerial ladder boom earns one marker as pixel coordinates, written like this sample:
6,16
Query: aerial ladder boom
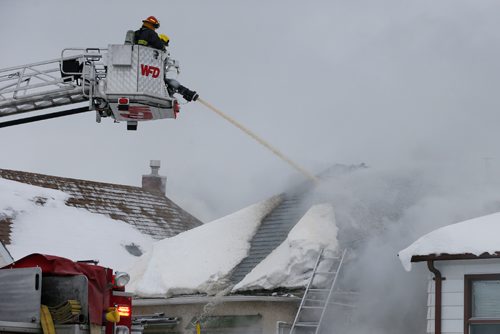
39,86
124,81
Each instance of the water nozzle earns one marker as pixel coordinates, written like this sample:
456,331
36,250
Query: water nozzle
187,94
190,95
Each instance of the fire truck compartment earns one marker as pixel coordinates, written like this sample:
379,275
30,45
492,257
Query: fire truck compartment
21,291
59,289
24,290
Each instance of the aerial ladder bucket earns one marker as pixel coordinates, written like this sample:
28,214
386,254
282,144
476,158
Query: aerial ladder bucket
124,81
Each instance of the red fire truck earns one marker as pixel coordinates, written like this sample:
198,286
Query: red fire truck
50,294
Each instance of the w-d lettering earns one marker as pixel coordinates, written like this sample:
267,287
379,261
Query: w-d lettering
146,70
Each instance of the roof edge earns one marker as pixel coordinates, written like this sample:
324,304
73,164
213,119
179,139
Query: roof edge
450,257
206,299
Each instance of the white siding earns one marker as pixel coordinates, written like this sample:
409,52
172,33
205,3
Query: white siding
452,312
447,312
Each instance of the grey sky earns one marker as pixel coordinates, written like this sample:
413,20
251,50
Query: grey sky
383,82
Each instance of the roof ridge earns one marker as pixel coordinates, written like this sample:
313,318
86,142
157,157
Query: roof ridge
64,178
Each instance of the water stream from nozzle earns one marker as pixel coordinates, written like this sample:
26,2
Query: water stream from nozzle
259,140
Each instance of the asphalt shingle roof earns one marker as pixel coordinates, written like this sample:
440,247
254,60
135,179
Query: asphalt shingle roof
150,213
274,229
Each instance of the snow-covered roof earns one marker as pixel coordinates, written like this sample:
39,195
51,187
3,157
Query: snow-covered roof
475,237
198,260
201,260
150,213
275,227
289,265
272,231
44,223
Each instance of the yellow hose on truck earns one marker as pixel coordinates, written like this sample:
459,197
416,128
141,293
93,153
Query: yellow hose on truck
46,320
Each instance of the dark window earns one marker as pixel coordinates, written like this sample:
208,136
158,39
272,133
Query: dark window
482,304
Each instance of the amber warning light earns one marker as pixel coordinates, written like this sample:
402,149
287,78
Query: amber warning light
124,311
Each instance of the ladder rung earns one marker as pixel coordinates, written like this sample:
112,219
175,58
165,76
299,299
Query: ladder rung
315,307
325,303
319,290
306,324
325,272
315,300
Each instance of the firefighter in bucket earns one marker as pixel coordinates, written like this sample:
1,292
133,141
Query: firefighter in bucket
147,35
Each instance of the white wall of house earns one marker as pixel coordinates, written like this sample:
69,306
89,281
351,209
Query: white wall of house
453,291
272,309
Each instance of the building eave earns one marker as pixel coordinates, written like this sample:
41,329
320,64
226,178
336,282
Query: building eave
451,257
206,299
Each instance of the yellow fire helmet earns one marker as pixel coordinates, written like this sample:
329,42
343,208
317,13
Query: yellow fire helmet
164,38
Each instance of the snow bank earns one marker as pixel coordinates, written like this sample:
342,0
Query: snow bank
198,260
290,264
43,223
475,236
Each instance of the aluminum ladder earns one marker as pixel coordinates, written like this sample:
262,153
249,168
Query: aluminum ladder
318,293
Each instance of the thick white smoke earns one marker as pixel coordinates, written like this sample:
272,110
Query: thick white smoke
381,212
